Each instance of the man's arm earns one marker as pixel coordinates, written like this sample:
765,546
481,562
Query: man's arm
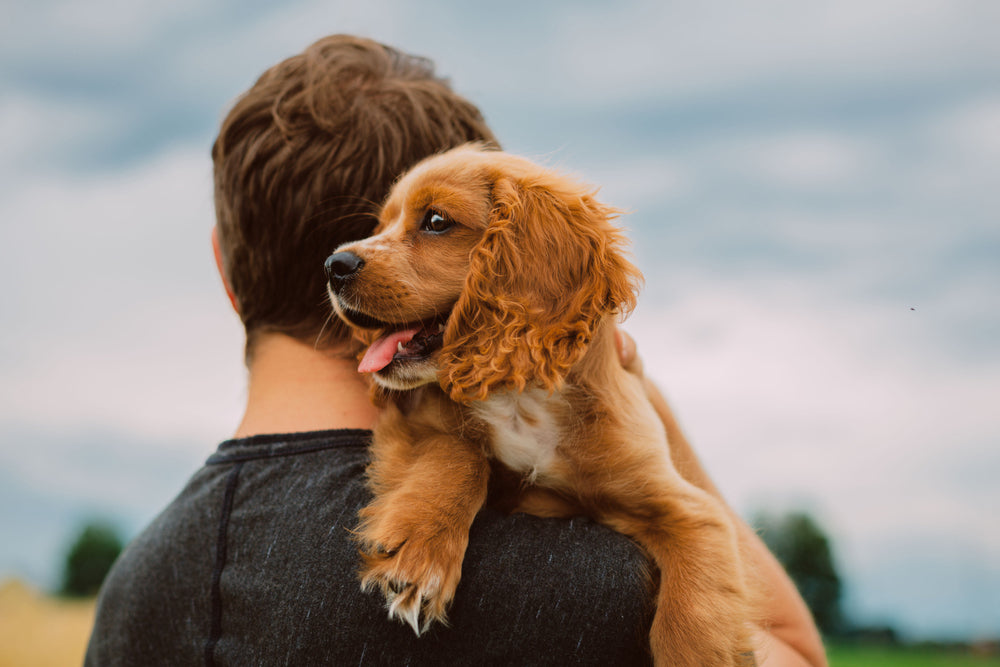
790,637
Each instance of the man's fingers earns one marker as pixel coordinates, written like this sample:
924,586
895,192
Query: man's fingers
627,353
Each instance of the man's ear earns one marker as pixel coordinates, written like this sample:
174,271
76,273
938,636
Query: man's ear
222,272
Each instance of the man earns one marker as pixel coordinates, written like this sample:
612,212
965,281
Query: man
253,563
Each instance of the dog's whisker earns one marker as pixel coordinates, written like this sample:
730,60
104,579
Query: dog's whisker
322,330
325,206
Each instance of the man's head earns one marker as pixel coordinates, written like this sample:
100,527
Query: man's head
302,162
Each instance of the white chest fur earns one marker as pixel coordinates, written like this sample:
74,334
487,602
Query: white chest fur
526,432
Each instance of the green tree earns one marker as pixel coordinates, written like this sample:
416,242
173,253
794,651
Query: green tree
804,550
89,559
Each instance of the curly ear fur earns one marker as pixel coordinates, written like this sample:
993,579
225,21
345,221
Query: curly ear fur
549,268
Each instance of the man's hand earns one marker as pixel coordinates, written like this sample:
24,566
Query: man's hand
627,354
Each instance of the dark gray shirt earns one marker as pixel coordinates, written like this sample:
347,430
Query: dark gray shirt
253,564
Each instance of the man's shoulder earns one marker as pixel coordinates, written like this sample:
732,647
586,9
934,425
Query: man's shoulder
538,555
276,533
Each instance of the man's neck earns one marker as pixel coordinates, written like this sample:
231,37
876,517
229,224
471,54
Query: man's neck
294,387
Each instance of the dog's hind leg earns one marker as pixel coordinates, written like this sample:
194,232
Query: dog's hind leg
703,602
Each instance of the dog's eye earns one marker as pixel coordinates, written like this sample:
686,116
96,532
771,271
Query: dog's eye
435,223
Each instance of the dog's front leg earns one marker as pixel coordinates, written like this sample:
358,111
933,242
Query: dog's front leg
428,488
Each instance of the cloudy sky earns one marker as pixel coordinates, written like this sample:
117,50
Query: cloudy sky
813,198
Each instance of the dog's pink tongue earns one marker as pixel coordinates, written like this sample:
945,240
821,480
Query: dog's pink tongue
381,352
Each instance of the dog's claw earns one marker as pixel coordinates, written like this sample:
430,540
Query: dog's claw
416,604
405,606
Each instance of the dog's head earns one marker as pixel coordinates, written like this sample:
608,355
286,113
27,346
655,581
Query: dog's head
485,272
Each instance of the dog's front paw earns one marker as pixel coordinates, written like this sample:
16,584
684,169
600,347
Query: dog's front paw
417,569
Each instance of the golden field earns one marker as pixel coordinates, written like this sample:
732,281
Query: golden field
40,631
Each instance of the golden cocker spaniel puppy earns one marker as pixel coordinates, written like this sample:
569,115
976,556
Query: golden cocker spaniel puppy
488,295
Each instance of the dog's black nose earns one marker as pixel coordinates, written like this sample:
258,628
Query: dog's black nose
340,266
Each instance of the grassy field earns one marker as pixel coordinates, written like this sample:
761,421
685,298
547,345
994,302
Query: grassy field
875,656
39,631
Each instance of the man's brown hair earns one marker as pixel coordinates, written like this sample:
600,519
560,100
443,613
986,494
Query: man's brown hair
304,158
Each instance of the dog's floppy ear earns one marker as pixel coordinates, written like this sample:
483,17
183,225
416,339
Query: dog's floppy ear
549,267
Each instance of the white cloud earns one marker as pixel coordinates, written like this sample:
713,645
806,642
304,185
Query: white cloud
805,160
975,127
34,130
640,182
965,138
50,30
119,318
651,49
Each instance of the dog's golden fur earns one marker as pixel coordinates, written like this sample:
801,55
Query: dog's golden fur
527,275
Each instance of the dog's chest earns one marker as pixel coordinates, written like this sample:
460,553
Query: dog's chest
525,429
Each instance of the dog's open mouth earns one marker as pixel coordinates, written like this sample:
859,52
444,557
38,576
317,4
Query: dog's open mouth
404,345
412,342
